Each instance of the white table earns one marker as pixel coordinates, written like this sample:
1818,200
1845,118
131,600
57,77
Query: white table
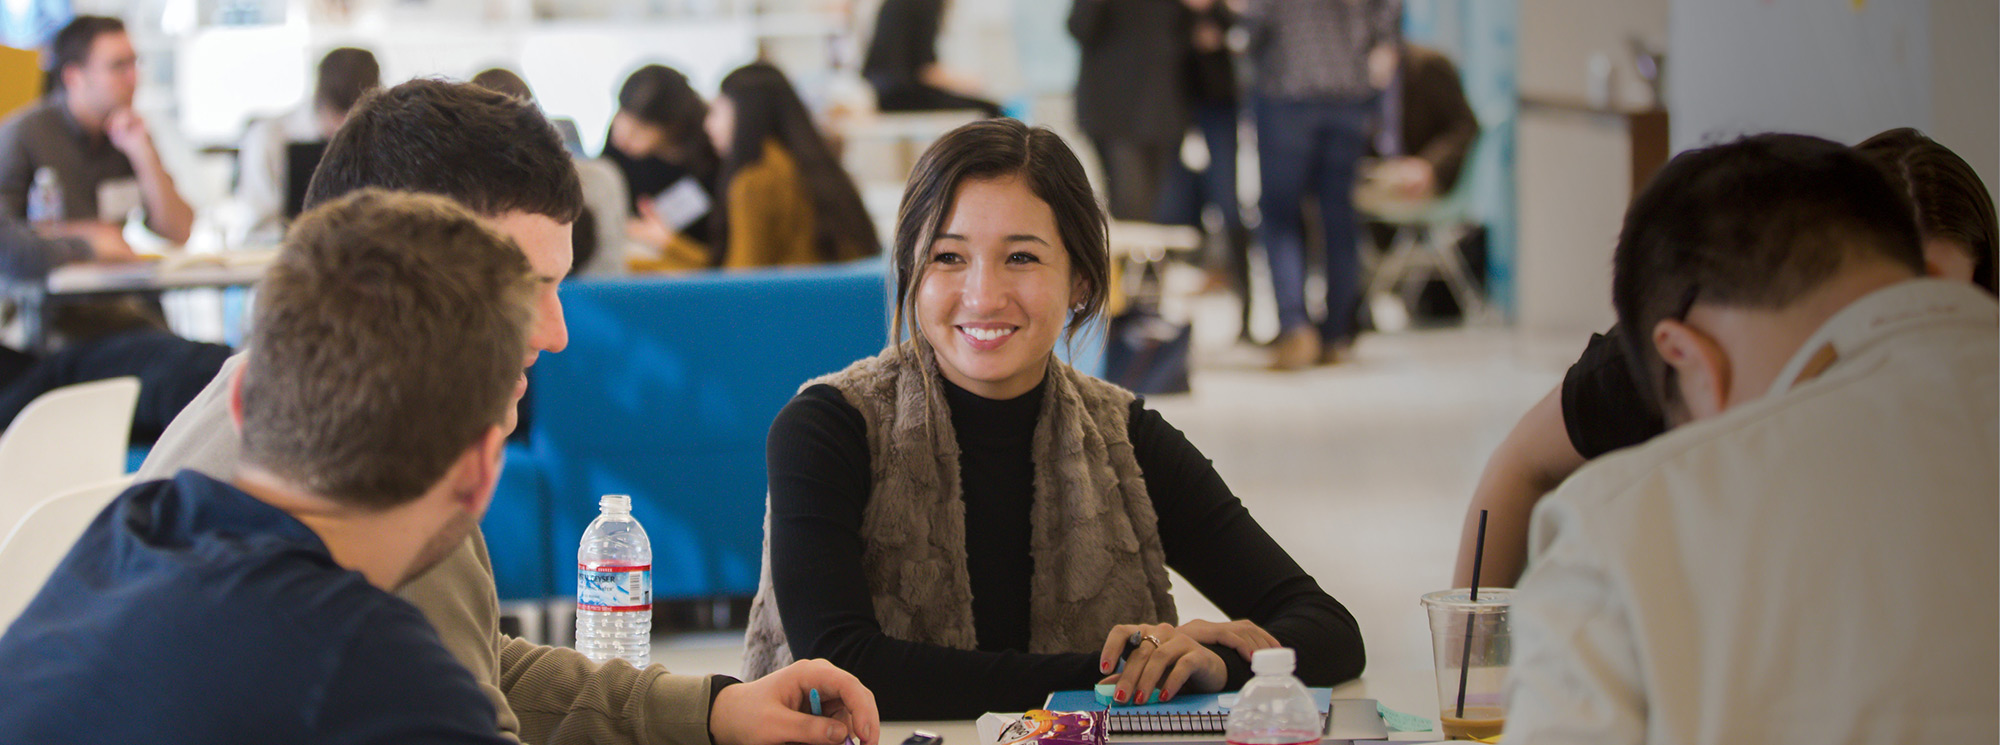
1407,691
231,269
173,272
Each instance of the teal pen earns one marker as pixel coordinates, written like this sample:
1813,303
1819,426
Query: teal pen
812,696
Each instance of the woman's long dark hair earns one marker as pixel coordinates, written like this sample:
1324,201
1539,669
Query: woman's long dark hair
660,96
767,108
1946,194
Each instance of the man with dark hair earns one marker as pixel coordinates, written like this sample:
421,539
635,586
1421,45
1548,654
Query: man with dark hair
496,155
263,162
388,339
1809,557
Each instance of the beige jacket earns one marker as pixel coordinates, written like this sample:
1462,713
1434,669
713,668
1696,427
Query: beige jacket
1815,566
543,694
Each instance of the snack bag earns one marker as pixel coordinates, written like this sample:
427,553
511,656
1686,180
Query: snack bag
1044,727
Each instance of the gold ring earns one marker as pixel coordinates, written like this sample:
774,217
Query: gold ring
1150,638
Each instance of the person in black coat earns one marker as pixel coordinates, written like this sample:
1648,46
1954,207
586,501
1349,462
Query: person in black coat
902,61
1132,93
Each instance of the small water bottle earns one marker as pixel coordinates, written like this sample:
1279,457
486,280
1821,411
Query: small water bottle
614,586
45,202
1274,707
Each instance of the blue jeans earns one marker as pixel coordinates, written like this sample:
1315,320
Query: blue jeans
1188,192
1311,146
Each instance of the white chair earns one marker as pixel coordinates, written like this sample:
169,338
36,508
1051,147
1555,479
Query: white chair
43,536
605,193
69,437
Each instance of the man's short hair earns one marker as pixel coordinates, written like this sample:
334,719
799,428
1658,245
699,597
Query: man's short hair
345,74
389,337
71,45
491,152
1756,223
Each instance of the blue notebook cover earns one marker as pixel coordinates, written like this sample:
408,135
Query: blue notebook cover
1193,712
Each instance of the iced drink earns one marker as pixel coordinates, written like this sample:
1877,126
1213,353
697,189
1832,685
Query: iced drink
1471,646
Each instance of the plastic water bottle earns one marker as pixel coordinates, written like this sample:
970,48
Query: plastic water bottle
45,203
1274,707
614,586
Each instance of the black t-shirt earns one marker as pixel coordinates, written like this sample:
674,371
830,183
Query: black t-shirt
1603,407
821,482
904,43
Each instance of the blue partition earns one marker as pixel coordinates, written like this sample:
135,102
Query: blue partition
666,392
517,529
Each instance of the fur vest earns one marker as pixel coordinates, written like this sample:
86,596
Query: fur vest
1096,546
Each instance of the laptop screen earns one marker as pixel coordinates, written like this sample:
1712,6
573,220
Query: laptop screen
301,158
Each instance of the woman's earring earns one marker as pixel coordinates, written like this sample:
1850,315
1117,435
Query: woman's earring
1078,308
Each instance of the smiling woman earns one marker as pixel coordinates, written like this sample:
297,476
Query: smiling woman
966,523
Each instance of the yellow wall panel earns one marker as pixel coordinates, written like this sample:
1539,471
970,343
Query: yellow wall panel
20,78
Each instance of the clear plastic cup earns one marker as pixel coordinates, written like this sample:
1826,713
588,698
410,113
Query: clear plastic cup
1472,646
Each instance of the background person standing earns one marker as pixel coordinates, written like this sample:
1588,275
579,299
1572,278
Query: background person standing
1313,97
1131,92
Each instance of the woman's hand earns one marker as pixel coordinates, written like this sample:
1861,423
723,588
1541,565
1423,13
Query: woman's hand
649,229
1246,637
1165,661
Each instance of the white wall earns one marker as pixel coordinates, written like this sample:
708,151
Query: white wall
1965,97
1840,70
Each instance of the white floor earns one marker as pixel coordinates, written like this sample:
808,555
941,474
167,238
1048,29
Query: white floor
1361,470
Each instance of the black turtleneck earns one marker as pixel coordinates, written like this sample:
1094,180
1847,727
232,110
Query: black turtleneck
820,484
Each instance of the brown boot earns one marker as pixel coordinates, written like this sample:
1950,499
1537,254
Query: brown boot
1296,349
1334,353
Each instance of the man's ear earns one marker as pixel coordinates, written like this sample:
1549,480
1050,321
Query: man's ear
1700,366
477,470
236,398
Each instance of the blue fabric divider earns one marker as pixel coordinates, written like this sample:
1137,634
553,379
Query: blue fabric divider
516,525
666,392
517,529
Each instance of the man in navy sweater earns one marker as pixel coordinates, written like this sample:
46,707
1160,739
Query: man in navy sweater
373,408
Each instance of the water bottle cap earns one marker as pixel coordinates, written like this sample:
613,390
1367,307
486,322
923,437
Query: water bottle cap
615,503
1273,661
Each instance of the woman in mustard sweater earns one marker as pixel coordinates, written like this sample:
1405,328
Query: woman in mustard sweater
784,197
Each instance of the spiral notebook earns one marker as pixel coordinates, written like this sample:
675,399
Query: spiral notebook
1188,713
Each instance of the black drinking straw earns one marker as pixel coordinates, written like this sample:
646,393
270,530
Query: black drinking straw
1465,659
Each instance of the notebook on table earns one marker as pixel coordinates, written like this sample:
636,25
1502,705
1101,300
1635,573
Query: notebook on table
1199,717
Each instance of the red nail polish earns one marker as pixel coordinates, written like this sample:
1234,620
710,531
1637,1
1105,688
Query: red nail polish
1120,696
1165,697
1104,667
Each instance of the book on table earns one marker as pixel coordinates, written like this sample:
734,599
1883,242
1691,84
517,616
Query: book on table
1189,712
1200,717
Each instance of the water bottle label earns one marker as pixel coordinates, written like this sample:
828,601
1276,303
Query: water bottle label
614,588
